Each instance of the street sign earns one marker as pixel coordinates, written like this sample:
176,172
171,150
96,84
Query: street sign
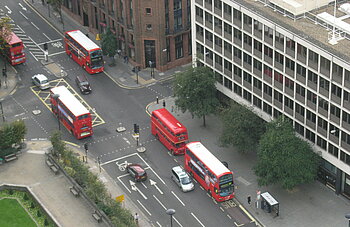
120,198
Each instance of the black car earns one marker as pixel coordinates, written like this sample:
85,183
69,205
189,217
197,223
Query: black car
83,84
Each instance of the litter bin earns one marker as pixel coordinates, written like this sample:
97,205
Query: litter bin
1,161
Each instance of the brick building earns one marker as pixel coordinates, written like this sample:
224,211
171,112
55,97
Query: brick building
153,31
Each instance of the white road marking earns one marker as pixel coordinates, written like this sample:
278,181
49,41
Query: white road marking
124,184
158,224
159,202
34,25
17,115
178,198
23,15
8,10
155,185
149,213
62,52
35,152
126,156
177,222
197,219
46,36
33,56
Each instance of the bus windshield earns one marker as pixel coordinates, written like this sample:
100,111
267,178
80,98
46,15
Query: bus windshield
96,54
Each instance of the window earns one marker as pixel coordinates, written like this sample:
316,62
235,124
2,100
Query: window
312,77
268,51
247,59
333,150
149,27
267,90
323,104
278,58
279,38
300,90
313,57
299,129
288,83
218,24
237,52
267,108
257,45
208,18
258,26
336,90
345,138
267,71
311,97
199,30
217,4
256,102
247,95
247,20
310,135
247,40
321,142
218,41
301,70
228,29
290,64
335,111
257,64
311,116
299,109
237,15
237,34
237,89
346,117
301,50
268,32
227,9
257,83
177,5
227,47
288,103
325,64
178,47
322,123
208,36
148,11
247,77
290,44
337,70
228,65
237,71
278,96
324,83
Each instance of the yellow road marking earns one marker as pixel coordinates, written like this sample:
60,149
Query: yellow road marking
247,213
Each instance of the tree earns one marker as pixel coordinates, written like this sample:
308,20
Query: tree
109,45
284,158
19,131
58,145
5,32
195,91
241,128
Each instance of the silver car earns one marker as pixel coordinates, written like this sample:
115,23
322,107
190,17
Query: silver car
41,81
182,179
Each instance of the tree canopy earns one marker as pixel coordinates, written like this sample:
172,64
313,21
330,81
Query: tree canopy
5,32
241,128
109,44
10,134
195,91
284,158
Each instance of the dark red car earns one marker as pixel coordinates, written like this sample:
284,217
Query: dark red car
137,172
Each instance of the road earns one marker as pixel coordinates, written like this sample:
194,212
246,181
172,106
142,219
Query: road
113,106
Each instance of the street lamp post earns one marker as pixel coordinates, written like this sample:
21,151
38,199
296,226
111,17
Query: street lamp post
171,212
348,217
56,96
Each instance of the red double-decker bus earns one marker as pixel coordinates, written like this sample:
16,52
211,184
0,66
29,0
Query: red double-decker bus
73,115
168,130
84,51
211,173
14,50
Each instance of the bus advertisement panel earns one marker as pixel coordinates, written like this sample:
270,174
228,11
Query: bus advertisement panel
169,131
211,173
84,51
71,113
14,50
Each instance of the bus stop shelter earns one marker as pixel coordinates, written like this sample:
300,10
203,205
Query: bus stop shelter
269,204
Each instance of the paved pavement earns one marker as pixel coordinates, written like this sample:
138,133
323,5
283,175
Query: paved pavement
308,205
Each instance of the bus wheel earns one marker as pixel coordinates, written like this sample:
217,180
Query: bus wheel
157,137
209,192
70,55
83,66
172,152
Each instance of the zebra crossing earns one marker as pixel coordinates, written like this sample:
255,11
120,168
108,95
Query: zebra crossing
32,47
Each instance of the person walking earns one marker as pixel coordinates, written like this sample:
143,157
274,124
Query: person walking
136,218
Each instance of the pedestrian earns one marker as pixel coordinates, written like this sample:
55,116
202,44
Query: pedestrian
119,52
136,218
126,59
164,103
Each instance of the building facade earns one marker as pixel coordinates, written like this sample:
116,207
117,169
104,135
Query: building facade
275,56
151,33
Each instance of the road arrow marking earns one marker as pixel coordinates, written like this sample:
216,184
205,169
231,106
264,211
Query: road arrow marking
135,188
155,185
8,10
24,8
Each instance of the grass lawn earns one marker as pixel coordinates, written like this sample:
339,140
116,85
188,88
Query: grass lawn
12,214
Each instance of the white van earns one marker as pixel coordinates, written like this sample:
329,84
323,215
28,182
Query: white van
182,179
41,81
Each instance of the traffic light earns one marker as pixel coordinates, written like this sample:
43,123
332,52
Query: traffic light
45,46
136,128
4,74
86,146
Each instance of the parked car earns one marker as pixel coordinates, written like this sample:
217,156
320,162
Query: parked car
41,81
182,179
137,172
83,84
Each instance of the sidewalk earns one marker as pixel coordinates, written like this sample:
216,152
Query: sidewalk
311,205
121,73
9,84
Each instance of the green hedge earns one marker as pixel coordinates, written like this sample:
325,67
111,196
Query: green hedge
91,185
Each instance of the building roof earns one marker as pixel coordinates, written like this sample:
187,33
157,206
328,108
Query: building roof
216,166
303,26
70,101
81,38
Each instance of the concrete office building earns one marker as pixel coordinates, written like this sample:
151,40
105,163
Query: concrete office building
284,58
153,30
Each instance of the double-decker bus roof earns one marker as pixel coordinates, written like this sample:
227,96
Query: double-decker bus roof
14,39
171,122
70,101
207,158
83,40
